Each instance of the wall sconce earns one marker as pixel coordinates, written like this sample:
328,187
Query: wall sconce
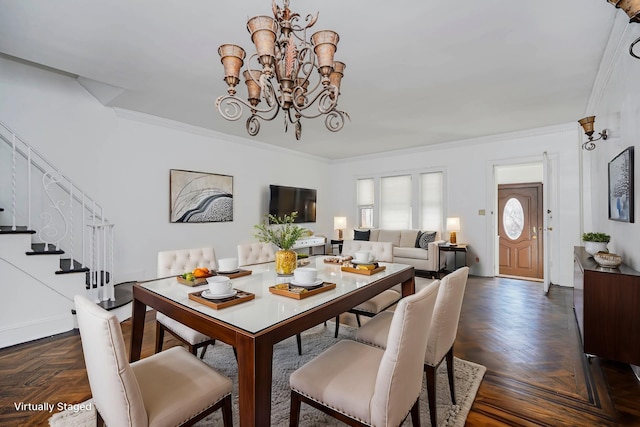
632,8
587,125
453,225
339,223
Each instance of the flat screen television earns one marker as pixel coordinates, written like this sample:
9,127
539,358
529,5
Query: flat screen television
285,200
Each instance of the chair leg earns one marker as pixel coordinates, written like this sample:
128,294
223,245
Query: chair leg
159,336
431,393
358,319
415,413
294,414
227,415
452,388
204,349
99,420
337,325
299,341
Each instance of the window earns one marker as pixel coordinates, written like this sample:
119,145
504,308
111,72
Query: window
401,202
431,201
366,199
395,202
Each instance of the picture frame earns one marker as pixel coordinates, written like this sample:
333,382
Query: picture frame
621,191
200,197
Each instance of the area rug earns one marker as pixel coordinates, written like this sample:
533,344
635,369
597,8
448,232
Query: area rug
468,377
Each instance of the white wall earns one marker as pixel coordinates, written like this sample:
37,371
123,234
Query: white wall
469,187
123,161
616,105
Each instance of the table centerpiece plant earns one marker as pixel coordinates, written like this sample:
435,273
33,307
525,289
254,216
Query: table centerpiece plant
282,232
595,242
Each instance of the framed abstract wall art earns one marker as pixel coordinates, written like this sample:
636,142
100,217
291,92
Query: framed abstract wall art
621,200
200,197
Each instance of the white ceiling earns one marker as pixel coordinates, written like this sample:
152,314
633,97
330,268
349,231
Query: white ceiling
418,72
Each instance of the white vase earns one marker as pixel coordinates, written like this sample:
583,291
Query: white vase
593,247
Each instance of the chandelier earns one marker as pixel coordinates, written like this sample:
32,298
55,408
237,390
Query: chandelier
281,73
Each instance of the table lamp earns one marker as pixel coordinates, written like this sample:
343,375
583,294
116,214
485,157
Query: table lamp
453,225
339,223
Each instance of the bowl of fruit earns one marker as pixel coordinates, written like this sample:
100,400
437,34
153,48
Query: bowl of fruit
196,277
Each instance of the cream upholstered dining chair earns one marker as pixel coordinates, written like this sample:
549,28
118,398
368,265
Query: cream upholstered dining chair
255,253
166,389
364,385
260,253
173,263
442,333
382,252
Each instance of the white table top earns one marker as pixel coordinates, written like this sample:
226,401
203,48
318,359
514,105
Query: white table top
268,309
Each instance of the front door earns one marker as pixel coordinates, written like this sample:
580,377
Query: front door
519,222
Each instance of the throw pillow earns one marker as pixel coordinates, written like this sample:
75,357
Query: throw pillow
361,235
424,238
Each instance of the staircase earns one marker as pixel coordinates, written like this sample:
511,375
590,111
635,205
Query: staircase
55,243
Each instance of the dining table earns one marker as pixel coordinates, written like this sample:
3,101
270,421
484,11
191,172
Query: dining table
255,326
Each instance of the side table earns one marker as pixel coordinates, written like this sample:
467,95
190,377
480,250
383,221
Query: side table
339,243
459,248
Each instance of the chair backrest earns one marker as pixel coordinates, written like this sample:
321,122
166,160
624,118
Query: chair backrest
180,261
115,389
382,251
399,379
255,253
446,314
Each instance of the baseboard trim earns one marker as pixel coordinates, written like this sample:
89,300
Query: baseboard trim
19,333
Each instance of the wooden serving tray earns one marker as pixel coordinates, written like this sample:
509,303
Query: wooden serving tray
197,282
237,274
238,298
365,272
301,295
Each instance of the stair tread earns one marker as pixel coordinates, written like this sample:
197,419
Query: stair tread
65,266
38,249
124,295
20,229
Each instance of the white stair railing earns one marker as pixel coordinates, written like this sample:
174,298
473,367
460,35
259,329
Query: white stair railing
46,200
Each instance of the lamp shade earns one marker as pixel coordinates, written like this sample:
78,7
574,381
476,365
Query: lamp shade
453,224
339,222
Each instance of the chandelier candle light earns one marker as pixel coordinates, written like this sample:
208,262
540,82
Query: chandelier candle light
280,73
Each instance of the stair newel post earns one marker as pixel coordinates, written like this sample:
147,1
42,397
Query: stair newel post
13,180
71,224
83,261
103,276
92,256
29,189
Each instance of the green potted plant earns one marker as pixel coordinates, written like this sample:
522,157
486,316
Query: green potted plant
595,242
282,232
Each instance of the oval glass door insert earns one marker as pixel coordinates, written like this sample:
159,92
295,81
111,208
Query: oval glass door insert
513,218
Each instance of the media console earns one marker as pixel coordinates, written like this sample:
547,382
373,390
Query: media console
311,243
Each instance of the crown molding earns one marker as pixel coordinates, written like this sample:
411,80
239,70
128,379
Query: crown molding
208,133
509,136
614,50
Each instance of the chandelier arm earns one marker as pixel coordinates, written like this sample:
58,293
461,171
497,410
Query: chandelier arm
334,121
324,95
234,108
631,48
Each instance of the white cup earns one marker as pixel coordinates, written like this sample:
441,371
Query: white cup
219,285
305,275
364,256
227,264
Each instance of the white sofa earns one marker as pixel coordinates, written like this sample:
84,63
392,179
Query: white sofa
403,248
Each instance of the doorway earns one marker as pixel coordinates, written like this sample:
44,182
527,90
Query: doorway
520,239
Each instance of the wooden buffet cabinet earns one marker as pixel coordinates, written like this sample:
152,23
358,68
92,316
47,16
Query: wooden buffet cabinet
607,306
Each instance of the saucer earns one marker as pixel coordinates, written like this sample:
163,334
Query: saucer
208,295
353,261
307,285
229,272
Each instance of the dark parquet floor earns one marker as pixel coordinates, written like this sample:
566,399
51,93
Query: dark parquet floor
536,374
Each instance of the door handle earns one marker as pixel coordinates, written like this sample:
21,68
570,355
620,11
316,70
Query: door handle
534,230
